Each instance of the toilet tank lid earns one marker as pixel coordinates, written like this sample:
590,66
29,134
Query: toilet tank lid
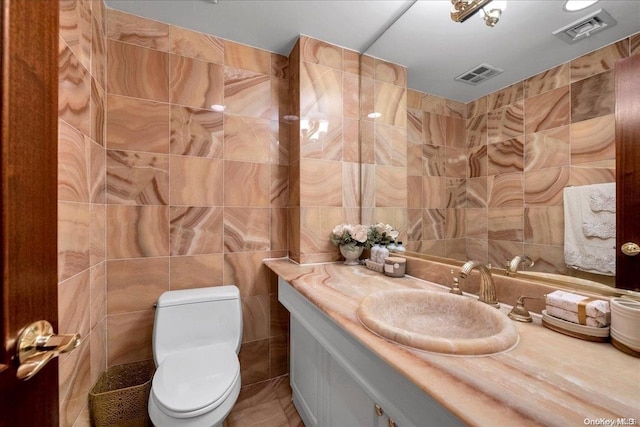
191,296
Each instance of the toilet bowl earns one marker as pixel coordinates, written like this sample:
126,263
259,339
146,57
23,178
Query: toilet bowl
196,338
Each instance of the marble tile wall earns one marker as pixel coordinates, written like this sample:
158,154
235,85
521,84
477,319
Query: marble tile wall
517,149
384,131
81,201
324,155
437,181
197,178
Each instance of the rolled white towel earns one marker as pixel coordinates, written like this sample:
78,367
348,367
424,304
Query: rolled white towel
583,308
572,317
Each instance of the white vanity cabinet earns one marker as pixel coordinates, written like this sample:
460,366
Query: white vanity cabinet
337,381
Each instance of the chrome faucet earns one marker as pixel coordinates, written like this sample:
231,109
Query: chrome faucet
487,292
514,264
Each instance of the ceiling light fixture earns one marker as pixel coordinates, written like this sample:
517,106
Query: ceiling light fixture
574,5
493,12
461,10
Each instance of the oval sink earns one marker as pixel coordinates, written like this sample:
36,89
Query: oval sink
438,322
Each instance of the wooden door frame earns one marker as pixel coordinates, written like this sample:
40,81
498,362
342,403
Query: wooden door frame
627,115
28,218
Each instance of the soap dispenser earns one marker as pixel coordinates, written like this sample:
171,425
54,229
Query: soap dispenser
383,254
375,252
391,246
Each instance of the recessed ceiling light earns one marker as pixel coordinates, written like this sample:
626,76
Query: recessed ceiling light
573,5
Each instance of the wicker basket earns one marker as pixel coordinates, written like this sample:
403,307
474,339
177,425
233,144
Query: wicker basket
120,396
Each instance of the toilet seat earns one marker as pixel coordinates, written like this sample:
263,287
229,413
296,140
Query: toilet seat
195,381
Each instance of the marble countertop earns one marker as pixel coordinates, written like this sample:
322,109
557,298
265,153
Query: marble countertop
548,379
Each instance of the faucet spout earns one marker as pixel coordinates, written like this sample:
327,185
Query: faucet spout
514,264
487,292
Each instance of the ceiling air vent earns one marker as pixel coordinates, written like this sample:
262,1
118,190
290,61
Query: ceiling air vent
479,74
583,28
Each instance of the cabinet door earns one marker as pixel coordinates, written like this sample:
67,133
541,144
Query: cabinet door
306,363
348,404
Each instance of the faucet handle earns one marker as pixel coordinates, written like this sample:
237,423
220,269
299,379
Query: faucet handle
507,268
520,312
455,289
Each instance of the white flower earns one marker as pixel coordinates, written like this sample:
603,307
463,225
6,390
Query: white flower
339,229
350,234
388,229
360,233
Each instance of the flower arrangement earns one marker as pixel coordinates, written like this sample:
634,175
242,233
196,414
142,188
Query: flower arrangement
382,233
344,234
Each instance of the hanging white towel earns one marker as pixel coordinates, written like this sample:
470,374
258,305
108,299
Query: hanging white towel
591,254
602,197
599,210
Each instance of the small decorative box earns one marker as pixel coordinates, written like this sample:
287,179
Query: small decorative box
375,266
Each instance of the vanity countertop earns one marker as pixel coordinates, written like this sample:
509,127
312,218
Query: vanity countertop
548,379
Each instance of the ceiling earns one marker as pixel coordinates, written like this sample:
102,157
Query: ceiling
418,34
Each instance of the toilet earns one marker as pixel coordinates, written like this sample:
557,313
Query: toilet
196,338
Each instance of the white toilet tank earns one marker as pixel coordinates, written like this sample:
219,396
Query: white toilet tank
197,317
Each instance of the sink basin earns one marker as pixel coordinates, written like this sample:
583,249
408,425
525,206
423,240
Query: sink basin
437,321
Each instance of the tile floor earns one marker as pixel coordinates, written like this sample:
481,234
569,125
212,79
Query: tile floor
266,404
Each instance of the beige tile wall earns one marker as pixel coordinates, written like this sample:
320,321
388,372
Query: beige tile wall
81,200
491,173
384,147
324,173
157,191
436,175
195,197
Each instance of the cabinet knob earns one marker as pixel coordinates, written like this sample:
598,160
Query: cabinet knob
391,423
379,410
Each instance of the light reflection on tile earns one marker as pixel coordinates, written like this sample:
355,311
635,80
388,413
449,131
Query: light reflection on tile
195,83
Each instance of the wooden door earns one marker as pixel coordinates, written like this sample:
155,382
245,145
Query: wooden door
29,202
628,169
